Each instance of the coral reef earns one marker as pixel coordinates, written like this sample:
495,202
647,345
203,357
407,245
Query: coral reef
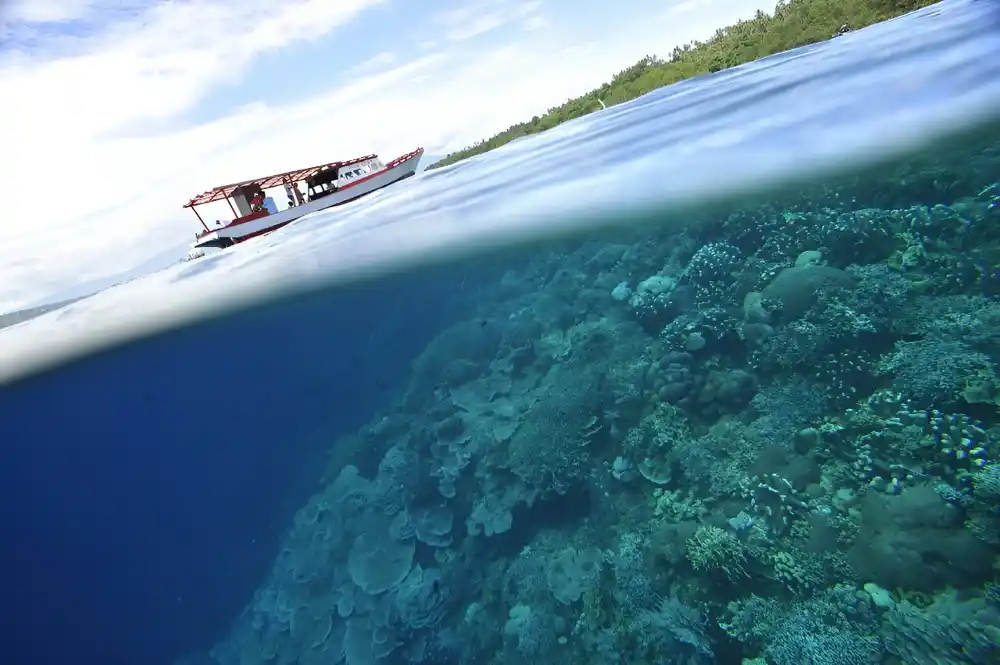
770,438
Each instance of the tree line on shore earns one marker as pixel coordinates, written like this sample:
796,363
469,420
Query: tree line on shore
793,23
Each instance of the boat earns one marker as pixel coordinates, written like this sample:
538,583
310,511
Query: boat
327,185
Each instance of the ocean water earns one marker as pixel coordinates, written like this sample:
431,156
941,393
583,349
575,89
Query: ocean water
705,377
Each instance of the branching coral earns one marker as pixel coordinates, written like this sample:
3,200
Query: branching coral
711,548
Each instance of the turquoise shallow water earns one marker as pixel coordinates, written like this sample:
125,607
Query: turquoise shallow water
705,377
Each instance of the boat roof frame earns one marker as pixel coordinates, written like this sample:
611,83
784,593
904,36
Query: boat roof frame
297,175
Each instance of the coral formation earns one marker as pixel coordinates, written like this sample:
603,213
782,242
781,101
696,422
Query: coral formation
768,437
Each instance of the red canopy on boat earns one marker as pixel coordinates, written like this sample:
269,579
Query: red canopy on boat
298,175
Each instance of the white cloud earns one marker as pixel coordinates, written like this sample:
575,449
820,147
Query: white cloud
697,19
536,22
687,6
64,158
53,11
377,62
87,197
477,17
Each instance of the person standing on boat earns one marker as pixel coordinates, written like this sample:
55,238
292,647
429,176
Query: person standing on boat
257,201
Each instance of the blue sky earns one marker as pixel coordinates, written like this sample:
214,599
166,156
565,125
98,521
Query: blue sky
124,109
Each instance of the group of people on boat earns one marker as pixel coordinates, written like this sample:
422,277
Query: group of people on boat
259,201
295,196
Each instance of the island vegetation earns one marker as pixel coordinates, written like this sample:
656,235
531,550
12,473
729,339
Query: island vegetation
793,23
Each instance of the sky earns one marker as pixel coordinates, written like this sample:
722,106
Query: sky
117,112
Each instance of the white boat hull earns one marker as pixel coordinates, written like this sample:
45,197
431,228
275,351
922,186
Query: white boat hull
243,229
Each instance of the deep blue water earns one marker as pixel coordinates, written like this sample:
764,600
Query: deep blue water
144,487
